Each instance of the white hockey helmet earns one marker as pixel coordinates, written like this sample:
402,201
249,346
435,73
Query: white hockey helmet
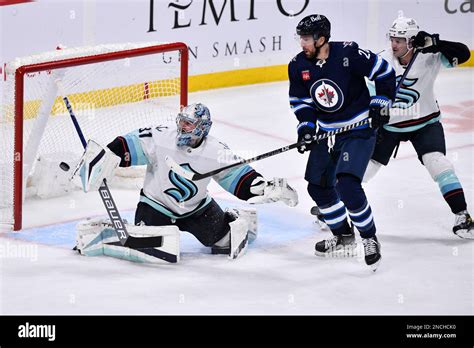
193,124
403,27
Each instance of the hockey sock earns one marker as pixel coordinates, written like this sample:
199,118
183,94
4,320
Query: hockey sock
452,191
353,195
331,207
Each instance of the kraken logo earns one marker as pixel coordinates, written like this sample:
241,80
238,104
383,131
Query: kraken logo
406,96
184,189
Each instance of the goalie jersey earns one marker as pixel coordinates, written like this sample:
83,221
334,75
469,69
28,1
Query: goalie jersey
169,193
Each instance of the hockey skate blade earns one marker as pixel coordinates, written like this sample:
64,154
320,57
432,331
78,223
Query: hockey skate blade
465,234
373,267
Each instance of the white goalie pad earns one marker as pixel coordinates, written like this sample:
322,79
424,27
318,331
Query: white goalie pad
48,179
97,163
97,237
250,216
274,191
238,238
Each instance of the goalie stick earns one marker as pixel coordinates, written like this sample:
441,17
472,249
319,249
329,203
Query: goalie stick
175,167
144,243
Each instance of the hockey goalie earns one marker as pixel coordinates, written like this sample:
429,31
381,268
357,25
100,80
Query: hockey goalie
169,203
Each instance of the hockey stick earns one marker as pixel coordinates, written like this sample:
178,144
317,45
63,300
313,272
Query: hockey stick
175,167
114,215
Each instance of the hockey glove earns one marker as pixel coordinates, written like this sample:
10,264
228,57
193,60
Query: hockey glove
428,43
273,191
379,111
306,132
97,163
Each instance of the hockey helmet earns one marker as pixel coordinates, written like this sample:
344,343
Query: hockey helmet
403,27
193,124
316,25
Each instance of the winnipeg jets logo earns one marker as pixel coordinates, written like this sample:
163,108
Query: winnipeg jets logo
327,95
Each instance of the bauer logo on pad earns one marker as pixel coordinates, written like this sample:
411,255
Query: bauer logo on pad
306,76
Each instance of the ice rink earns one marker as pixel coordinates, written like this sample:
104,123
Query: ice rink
425,269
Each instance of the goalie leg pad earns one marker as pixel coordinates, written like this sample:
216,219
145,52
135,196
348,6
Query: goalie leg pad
235,242
238,238
97,237
250,216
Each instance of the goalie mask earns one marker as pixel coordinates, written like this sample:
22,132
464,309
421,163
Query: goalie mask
193,124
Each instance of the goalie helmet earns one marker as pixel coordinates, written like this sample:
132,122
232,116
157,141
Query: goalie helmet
193,124
403,27
316,25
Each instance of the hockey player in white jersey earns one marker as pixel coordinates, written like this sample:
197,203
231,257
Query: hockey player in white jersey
168,199
415,115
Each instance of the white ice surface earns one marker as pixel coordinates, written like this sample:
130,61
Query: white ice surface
425,268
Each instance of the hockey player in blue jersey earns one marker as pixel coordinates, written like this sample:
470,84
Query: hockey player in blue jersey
328,91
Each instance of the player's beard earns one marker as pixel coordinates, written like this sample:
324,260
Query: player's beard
317,50
309,54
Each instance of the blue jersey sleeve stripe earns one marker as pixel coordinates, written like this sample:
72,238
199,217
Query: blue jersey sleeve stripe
301,101
342,123
385,73
299,107
376,67
232,177
137,155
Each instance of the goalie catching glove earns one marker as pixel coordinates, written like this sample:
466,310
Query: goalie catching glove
97,163
273,191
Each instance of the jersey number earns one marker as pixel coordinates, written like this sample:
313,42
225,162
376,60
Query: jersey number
364,53
144,132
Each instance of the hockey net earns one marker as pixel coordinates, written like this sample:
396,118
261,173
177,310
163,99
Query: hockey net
113,89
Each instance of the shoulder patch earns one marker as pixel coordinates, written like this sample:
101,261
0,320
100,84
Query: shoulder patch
305,75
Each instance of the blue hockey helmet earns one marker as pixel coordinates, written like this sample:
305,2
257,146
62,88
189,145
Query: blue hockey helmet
193,124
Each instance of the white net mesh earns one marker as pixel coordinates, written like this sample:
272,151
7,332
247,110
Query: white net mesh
108,98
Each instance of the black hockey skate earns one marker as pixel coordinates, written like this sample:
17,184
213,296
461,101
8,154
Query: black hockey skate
319,218
463,225
372,252
337,246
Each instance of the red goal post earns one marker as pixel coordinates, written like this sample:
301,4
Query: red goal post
95,91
